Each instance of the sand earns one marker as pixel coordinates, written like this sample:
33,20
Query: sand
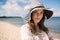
56,35
9,31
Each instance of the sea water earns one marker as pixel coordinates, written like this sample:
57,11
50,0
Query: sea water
53,23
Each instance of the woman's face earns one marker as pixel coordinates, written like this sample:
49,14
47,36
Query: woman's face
37,15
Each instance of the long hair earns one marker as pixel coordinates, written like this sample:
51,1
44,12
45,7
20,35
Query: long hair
40,24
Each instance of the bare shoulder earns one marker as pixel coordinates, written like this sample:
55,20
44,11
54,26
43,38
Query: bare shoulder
25,25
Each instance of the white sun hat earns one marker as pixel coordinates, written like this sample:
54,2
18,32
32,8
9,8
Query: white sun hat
34,6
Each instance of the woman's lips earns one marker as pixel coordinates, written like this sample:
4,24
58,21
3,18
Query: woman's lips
37,18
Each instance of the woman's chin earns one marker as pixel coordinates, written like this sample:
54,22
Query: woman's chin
37,21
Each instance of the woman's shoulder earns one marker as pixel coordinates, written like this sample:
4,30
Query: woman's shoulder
25,30
25,27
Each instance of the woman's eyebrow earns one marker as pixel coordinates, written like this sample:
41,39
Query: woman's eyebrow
41,12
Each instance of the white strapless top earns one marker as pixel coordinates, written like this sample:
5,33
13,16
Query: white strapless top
27,35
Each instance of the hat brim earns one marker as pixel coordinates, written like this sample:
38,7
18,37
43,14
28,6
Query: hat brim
48,13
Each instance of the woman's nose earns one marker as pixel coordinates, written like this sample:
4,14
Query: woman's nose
38,14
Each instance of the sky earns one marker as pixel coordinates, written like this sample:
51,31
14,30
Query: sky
16,7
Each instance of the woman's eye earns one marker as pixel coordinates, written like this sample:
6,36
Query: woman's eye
41,12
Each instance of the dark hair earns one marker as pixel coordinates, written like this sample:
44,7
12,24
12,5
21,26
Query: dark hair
40,24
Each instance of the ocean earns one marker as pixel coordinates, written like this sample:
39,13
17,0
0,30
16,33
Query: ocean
53,23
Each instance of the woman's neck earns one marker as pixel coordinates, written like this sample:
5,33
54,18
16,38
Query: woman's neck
36,24
37,27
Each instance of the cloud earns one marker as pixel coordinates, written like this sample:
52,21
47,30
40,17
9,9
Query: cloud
12,8
56,12
24,1
53,9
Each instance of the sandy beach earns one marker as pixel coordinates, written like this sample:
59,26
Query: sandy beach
56,35
10,31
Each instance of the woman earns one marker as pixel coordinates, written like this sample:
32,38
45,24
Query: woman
35,29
